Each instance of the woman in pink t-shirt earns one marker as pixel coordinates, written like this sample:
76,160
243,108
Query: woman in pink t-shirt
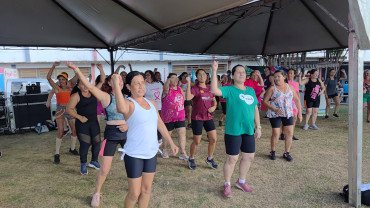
204,104
173,113
259,90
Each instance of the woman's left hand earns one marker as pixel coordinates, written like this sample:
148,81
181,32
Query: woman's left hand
212,109
122,127
258,133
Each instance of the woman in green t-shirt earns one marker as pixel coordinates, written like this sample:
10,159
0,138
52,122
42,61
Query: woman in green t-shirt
240,132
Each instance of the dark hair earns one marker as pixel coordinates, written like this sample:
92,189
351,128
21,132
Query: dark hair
75,88
291,69
151,75
171,74
181,75
196,73
234,69
228,71
313,71
97,80
131,76
282,73
105,87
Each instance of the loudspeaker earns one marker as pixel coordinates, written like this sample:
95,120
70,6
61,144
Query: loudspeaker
30,115
24,99
33,89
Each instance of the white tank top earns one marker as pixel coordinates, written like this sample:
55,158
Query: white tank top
142,139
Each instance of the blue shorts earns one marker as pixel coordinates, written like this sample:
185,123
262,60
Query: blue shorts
135,167
244,142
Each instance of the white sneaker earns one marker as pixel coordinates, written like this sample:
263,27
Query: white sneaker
314,127
164,154
305,127
183,156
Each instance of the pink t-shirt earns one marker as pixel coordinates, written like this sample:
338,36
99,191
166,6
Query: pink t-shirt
173,106
251,83
202,101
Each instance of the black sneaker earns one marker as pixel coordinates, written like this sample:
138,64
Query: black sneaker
287,156
73,152
326,116
211,163
295,138
220,123
272,155
56,159
282,137
335,115
192,164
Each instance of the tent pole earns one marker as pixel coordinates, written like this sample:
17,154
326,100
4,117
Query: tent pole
355,117
111,59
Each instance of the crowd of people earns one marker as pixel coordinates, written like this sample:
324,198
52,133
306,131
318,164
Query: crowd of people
141,113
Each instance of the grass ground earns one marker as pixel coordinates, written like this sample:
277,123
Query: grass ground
28,177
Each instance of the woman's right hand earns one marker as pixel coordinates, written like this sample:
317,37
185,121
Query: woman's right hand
279,111
48,104
57,63
188,80
115,78
83,119
215,66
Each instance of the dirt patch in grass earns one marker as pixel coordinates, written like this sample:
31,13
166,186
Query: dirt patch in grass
28,177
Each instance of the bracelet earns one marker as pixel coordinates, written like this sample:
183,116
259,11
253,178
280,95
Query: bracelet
76,69
259,127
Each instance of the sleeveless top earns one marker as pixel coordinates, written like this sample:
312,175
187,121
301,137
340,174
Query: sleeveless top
173,106
312,90
63,97
86,107
294,84
142,141
367,87
282,101
111,110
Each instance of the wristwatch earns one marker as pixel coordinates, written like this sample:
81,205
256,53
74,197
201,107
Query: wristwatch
259,127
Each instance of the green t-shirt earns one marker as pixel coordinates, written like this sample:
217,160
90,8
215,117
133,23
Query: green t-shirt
240,109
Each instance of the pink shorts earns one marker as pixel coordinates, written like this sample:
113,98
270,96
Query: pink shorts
100,109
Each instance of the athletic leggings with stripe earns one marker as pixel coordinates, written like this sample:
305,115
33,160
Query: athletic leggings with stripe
88,134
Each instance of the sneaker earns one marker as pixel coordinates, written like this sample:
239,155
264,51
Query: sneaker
227,191
164,154
56,159
67,132
73,152
244,187
287,156
220,123
335,115
272,155
83,169
282,137
295,138
188,126
305,127
192,164
326,116
94,164
183,156
1,154
95,201
211,163
314,127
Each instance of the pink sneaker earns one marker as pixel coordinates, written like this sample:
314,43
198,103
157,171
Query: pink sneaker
244,187
227,191
95,200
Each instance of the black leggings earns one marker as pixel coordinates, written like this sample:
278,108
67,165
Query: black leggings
88,134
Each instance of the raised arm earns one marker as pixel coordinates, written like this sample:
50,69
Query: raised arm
122,105
344,74
129,65
260,83
102,76
166,87
48,77
118,68
73,81
214,88
103,97
302,81
189,96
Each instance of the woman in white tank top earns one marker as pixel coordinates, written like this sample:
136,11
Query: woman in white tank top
141,146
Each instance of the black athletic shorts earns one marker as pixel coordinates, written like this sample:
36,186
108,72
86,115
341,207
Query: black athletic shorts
312,103
244,143
188,102
223,105
333,95
276,122
197,126
109,147
174,125
135,167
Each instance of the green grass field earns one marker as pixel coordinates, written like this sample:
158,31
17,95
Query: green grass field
28,177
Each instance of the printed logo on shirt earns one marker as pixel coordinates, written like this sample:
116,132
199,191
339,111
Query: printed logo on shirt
247,98
179,102
207,98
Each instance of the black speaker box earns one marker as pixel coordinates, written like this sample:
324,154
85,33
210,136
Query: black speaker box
30,115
